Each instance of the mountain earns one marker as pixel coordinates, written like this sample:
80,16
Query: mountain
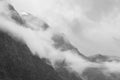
17,61
103,58
30,50
34,21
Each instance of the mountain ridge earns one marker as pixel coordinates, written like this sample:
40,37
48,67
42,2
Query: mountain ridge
71,64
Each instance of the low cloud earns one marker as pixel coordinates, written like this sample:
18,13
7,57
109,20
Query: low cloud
61,20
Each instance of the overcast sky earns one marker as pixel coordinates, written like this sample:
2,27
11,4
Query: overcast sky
92,25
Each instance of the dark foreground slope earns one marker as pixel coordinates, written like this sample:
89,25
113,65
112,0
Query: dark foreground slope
17,62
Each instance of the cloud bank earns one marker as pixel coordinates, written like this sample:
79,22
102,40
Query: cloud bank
41,44
90,24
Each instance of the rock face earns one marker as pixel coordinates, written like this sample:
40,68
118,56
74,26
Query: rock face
17,61
34,21
15,15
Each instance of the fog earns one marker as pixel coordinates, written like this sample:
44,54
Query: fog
90,36
91,25
40,43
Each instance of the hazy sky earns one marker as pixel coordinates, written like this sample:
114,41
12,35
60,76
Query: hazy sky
92,25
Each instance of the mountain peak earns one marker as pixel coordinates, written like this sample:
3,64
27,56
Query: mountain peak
8,11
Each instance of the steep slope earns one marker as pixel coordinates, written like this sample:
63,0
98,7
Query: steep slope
18,63
32,50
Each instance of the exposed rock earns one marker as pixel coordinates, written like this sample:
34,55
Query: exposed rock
15,16
34,22
103,58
